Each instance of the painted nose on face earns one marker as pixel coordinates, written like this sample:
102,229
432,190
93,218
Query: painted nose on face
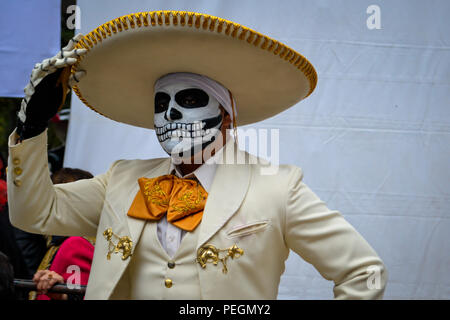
173,114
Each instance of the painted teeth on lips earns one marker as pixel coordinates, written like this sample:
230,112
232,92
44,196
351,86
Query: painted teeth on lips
183,126
181,132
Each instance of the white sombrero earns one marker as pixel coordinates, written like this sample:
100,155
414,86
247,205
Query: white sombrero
128,54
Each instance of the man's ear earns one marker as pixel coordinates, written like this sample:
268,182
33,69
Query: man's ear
226,122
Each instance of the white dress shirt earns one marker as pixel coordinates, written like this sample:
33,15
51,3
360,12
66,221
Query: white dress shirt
169,235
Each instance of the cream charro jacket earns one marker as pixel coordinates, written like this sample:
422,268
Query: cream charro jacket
265,215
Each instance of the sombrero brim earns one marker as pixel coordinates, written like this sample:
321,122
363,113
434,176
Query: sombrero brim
128,54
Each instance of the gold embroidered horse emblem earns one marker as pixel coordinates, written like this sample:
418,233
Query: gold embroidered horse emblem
125,245
210,254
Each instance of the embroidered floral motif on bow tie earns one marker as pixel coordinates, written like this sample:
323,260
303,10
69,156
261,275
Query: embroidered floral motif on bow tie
183,200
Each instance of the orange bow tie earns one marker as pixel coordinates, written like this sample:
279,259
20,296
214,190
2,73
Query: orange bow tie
182,199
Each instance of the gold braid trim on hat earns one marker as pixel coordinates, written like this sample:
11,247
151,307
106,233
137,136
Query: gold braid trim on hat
193,19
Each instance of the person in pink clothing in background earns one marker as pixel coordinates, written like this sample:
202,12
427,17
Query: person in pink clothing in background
72,261
72,264
3,192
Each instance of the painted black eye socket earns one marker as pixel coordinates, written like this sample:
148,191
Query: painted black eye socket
161,102
192,98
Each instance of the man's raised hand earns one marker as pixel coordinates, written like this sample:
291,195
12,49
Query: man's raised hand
50,81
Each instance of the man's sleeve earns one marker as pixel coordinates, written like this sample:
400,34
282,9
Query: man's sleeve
38,206
326,240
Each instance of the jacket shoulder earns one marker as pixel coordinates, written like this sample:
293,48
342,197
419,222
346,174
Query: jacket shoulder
138,164
285,172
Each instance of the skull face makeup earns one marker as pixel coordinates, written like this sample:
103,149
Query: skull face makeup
187,119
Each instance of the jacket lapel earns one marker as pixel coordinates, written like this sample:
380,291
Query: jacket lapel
108,275
226,195
135,226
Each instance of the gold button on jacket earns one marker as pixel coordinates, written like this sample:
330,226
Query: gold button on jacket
168,283
18,171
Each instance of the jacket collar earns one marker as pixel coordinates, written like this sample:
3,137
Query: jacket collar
227,192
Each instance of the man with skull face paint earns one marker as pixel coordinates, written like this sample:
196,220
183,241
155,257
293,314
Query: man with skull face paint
189,113
195,225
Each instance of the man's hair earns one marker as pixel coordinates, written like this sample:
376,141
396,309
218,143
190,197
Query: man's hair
65,175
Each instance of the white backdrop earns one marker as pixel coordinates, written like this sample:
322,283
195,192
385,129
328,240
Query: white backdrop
373,139
29,33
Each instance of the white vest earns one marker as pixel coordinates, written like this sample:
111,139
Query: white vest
151,262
